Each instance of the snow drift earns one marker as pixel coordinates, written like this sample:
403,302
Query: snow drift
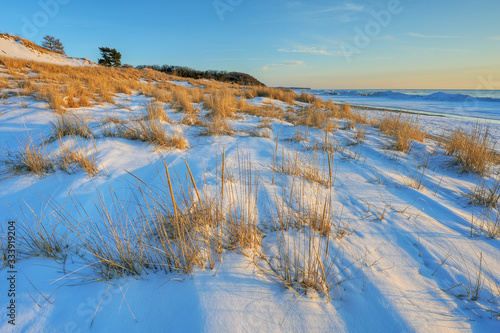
16,47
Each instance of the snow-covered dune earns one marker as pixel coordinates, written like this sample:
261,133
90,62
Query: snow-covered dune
14,47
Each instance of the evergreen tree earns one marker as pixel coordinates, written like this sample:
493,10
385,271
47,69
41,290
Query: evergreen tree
110,57
53,44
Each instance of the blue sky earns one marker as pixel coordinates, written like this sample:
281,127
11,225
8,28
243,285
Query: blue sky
439,44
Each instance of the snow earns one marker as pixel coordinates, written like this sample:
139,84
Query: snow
409,247
15,49
181,83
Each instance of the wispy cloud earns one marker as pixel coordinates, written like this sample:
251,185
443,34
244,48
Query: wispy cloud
342,13
346,7
284,64
430,36
495,38
311,50
434,50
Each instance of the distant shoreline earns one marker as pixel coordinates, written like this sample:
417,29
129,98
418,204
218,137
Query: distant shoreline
293,88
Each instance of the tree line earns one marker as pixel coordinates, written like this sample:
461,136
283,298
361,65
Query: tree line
222,76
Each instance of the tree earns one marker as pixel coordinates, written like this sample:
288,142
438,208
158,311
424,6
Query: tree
53,44
110,57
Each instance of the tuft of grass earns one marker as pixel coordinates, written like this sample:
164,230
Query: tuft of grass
302,256
403,130
122,88
360,134
308,167
34,159
191,119
110,239
68,125
312,117
75,96
360,118
486,193
302,267
349,125
307,206
150,131
27,86
306,98
265,132
113,120
222,104
417,175
55,99
473,150
182,100
31,159
163,96
266,110
147,90
69,156
5,82
178,140
40,239
492,225
265,123
197,95
345,111
284,95
474,283
475,279
488,223
217,127
155,111
240,222
300,134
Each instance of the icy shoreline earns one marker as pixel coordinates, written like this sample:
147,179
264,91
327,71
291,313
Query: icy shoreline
438,125
456,106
